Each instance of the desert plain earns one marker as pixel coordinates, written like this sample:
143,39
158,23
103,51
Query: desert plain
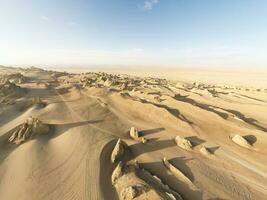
117,136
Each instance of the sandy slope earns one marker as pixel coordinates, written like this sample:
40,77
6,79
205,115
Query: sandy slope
72,161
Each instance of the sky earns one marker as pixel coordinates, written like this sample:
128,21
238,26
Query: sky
198,33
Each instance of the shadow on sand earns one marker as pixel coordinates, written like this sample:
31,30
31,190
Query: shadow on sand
55,130
140,148
151,131
159,170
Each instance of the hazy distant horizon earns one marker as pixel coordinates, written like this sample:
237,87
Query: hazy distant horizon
103,67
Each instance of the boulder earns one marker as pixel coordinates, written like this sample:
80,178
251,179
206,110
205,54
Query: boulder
183,143
241,141
134,133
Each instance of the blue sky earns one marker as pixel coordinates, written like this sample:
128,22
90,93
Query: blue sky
227,33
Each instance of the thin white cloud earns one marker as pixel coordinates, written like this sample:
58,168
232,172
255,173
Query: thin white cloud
72,24
149,4
70,56
45,18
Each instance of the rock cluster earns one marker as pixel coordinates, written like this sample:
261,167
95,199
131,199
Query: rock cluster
28,130
9,90
134,191
119,82
16,78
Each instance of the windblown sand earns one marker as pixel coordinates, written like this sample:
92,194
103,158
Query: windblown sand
178,140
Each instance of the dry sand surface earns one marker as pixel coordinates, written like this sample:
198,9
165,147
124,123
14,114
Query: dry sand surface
117,137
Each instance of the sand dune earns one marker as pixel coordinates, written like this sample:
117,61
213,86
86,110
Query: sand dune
213,137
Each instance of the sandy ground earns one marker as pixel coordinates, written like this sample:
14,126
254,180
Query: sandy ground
86,117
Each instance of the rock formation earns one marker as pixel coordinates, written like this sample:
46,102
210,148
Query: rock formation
134,191
175,171
117,152
16,78
28,130
183,143
134,133
241,141
9,91
117,173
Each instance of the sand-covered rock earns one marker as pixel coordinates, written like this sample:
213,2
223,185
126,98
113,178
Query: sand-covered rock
183,143
28,130
175,170
117,173
118,151
133,191
9,91
156,182
241,141
134,133
16,78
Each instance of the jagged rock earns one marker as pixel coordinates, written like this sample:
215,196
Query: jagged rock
117,173
170,196
157,182
183,143
175,170
134,133
28,130
117,152
133,191
241,141
8,89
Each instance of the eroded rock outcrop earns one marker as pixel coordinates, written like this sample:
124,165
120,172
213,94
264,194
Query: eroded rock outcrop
117,173
118,151
9,91
183,143
175,170
241,141
16,78
28,130
134,133
155,182
134,191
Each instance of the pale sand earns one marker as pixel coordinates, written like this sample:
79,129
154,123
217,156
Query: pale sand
73,161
